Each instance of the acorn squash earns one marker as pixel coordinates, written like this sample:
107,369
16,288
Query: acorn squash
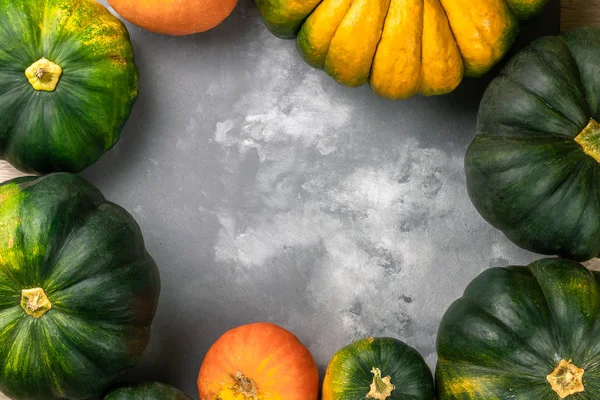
523,333
378,368
68,83
78,291
533,169
147,391
401,47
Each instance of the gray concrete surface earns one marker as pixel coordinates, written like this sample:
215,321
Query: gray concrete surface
267,192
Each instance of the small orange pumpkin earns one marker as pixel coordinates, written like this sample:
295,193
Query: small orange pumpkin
174,17
259,361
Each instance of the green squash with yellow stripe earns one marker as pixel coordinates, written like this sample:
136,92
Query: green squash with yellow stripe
147,391
523,333
400,47
380,369
68,83
78,290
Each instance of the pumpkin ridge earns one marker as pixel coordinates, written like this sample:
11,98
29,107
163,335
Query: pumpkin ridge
326,53
72,346
420,84
304,34
577,350
24,326
454,64
46,18
582,87
555,334
57,253
93,139
557,136
569,178
10,322
9,139
541,56
330,65
477,367
485,39
541,100
577,70
87,278
522,15
453,35
500,324
387,12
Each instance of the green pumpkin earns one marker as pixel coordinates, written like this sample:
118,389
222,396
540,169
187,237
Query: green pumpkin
78,291
533,170
147,391
68,83
378,368
523,333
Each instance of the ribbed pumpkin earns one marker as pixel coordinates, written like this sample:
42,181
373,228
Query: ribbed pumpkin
378,368
533,169
523,333
401,47
147,391
259,361
68,83
78,291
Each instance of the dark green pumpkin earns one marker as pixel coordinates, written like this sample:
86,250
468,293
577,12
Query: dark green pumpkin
70,127
378,368
147,391
517,329
533,170
78,291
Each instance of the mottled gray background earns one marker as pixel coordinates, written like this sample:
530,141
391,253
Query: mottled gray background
267,192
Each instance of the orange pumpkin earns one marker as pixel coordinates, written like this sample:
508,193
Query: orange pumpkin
259,361
174,17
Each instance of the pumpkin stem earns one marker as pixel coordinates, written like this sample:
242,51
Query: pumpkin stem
589,139
246,386
39,73
43,75
35,302
381,388
566,379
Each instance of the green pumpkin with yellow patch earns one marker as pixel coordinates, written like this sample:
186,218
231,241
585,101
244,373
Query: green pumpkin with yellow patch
78,291
68,83
147,391
523,333
380,369
401,47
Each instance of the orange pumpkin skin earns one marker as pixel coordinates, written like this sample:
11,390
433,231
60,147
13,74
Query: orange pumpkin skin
174,17
271,358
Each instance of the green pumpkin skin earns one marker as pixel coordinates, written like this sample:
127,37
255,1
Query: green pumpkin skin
526,174
349,373
513,326
58,233
70,128
147,391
